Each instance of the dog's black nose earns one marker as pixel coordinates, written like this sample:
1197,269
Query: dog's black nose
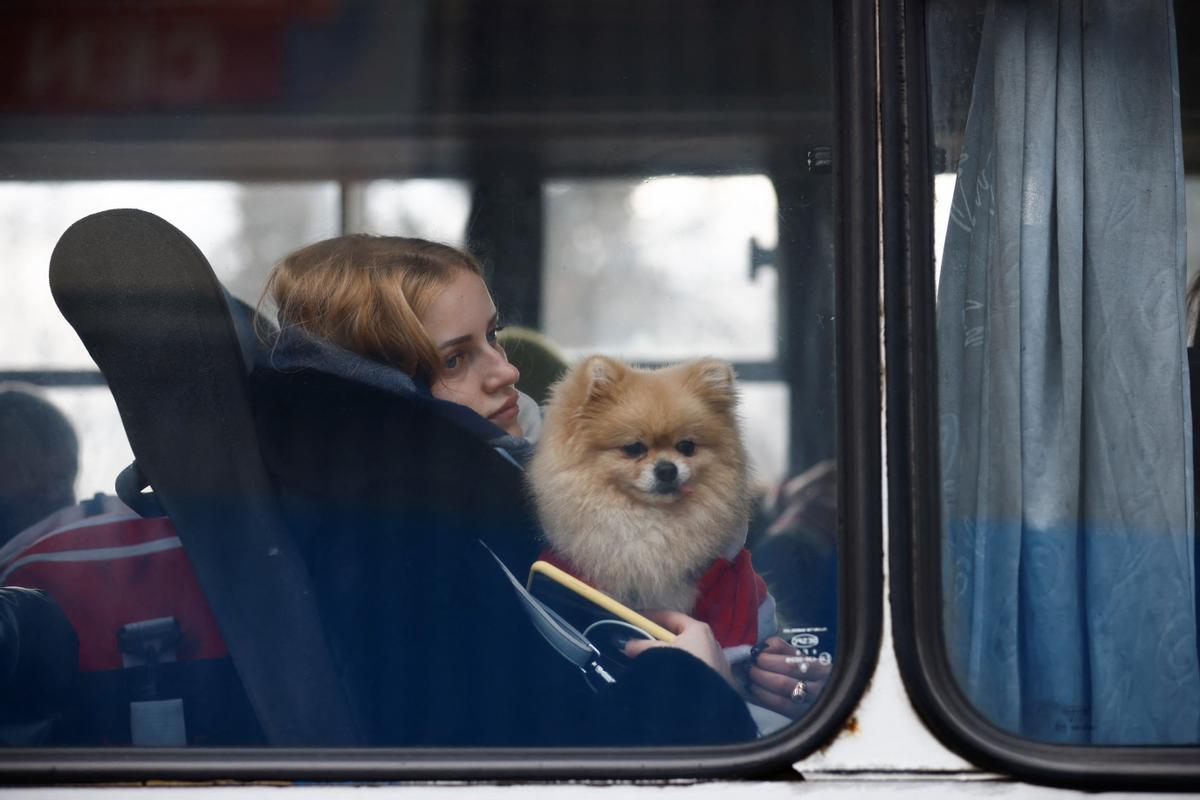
666,471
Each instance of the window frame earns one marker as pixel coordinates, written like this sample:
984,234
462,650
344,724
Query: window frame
914,529
859,456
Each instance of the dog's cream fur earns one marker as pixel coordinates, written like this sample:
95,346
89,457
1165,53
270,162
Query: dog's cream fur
598,504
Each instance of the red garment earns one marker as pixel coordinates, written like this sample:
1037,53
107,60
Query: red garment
731,593
111,570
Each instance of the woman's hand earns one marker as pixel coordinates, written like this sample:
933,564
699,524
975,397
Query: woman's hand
691,635
786,682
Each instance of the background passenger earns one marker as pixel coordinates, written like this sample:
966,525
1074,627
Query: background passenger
538,359
39,459
798,530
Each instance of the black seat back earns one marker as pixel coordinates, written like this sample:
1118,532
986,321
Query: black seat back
152,314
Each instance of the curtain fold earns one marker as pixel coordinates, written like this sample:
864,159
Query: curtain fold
1066,457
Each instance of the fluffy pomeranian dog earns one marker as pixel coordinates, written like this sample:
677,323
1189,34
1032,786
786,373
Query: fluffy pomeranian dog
640,477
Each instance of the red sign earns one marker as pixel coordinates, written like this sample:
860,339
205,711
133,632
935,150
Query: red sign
146,57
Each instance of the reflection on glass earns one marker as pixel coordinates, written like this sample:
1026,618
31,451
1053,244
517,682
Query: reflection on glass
367,467
103,449
243,228
1068,550
664,266
434,209
764,418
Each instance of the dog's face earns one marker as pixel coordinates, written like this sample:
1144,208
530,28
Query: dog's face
659,437
640,477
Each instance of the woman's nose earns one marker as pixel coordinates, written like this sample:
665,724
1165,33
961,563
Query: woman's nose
501,373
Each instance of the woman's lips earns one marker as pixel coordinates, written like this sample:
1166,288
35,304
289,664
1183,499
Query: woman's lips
507,412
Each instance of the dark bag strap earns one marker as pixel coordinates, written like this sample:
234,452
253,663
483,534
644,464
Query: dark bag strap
151,313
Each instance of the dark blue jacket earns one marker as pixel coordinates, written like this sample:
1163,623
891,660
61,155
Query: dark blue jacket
389,492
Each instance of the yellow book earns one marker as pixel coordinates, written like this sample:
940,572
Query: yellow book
583,605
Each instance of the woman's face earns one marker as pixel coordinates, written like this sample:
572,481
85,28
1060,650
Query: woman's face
474,370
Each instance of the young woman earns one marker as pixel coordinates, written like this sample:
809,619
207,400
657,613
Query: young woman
418,307
383,379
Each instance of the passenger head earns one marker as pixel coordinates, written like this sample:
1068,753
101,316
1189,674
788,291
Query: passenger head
38,461
419,306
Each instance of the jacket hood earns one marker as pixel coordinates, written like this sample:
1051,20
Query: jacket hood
293,349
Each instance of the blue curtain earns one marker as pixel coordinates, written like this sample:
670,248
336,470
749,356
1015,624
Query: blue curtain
1064,409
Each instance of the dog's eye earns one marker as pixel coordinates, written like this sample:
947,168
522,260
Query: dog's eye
635,450
687,447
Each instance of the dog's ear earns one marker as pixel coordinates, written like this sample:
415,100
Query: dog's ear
586,384
598,375
713,380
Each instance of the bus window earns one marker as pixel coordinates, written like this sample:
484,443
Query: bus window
653,183
616,248
240,226
1064,563
429,208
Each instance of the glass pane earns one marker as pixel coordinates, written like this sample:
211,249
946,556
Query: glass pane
60,445
631,179
1067,379
662,267
103,449
764,415
243,229
434,209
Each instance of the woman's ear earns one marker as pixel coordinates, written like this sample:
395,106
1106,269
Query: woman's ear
714,381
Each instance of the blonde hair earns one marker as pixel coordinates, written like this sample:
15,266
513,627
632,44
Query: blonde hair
367,294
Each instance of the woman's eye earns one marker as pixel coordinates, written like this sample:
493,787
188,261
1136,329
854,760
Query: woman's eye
494,332
635,450
687,447
452,362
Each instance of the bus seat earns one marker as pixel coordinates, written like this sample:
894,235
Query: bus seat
153,316
152,666
379,484
252,330
38,669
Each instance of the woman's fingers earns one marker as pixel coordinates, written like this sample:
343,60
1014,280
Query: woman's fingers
635,647
782,693
779,656
784,685
774,702
776,645
691,636
796,667
785,681
779,684
674,621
